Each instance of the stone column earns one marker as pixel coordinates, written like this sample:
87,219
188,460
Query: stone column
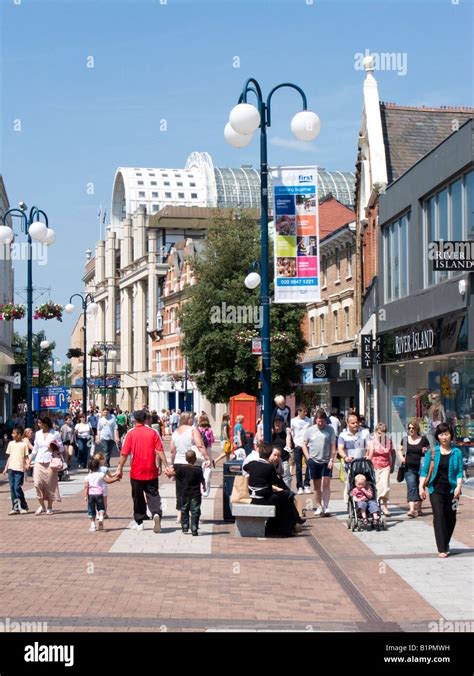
140,335
126,331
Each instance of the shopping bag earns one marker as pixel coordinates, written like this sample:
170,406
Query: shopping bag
207,478
240,490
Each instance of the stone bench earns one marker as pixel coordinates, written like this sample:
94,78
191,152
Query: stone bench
250,520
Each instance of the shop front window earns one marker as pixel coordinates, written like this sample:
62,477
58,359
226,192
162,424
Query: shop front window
433,391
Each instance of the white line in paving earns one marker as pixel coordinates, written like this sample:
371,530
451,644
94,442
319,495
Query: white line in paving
171,540
66,488
446,584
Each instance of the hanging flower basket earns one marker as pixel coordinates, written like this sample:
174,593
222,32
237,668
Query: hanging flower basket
74,352
10,311
49,311
95,352
247,335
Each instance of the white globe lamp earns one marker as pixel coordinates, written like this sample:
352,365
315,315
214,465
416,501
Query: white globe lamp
112,354
44,345
6,234
235,139
69,308
50,237
244,118
92,309
305,125
38,231
252,280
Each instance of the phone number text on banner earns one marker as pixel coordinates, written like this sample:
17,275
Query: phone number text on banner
296,234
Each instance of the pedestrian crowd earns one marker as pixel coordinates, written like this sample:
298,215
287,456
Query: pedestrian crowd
307,447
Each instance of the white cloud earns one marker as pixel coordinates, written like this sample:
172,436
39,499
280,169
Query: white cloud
293,144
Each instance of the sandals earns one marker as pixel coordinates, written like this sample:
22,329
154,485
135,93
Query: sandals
411,515
443,555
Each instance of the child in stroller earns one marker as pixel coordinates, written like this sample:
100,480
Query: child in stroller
363,496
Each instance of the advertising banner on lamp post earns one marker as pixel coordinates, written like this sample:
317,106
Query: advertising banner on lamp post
295,214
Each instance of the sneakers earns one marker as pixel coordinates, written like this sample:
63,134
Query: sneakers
39,511
300,491
49,512
92,527
319,511
24,511
194,532
307,489
185,530
101,523
157,522
138,526
411,515
12,512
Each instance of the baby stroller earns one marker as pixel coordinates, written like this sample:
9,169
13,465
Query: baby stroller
354,517
64,474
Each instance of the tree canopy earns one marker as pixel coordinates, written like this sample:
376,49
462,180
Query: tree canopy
221,314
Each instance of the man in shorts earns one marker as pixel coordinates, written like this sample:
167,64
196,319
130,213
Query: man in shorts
319,448
352,444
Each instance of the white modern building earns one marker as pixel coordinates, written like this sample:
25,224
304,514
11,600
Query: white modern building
153,209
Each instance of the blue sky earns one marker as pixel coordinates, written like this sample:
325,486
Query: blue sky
175,61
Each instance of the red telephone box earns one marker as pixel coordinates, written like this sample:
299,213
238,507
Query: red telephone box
246,405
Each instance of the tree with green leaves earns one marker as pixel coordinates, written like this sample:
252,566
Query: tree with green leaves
21,350
217,329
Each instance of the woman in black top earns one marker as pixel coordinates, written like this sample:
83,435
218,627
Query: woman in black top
264,490
410,453
281,438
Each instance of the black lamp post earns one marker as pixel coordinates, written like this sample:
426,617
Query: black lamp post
40,232
89,306
244,120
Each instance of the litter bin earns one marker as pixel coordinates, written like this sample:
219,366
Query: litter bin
248,445
231,470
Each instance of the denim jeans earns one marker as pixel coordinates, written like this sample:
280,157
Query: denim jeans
298,455
412,478
16,479
82,451
193,505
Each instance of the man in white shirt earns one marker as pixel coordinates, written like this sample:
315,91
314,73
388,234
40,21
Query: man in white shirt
107,434
299,425
352,444
319,448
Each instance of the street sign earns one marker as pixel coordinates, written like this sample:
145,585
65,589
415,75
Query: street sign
50,398
349,364
256,346
367,354
378,350
319,371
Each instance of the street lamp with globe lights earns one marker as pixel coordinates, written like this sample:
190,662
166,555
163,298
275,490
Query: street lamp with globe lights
108,350
89,307
244,120
40,232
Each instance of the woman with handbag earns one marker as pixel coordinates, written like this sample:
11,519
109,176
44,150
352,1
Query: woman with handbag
83,436
382,456
185,438
226,444
442,474
410,454
47,454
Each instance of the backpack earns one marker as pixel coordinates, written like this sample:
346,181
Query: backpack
205,440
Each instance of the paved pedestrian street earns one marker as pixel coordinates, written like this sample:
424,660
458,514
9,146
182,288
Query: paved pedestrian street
325,579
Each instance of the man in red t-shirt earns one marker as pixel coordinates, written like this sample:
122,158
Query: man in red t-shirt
145,445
